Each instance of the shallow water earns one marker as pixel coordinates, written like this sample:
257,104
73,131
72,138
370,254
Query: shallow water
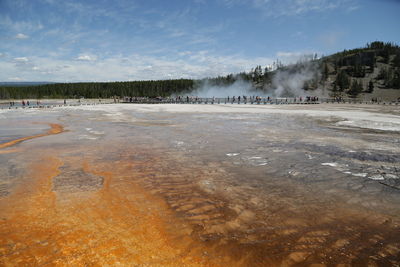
201,185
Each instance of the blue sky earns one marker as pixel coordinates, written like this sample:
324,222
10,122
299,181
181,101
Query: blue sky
119,40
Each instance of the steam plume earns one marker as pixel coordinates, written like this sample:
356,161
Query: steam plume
290,81
238,88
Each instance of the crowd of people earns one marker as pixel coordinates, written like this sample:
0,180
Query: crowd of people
196,99
27,103
245,99
228,99
24,103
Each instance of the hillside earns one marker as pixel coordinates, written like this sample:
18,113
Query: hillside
372,71
369,72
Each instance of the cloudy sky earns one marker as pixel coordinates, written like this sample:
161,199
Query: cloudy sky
111,40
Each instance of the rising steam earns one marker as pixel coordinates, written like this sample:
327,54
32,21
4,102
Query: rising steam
238,88
291,81
288,81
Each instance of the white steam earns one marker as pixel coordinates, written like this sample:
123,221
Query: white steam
286,84
238,88
290,82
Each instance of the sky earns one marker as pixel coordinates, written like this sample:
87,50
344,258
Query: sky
124,40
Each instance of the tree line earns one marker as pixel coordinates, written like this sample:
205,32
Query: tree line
99,89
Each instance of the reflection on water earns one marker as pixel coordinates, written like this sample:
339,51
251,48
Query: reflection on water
199,189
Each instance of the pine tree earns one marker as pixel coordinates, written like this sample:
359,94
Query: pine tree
396,61
258,74
342,80
266,74
370,87
383,73
325,72
355,88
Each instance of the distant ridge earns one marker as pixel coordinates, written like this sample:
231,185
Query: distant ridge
18,84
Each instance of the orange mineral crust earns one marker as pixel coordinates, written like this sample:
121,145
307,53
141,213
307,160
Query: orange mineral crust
70,211
117,224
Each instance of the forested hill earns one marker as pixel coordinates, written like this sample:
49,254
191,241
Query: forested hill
369,71
357,72
363,70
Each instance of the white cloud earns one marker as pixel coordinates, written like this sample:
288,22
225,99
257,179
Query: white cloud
21,36
15,79
184,53
353,8
230,3
191,64
20,26
21,59
23,65
85,57
177,33
277,8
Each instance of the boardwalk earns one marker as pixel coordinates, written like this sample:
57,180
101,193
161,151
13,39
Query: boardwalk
248,101
50,103
190,100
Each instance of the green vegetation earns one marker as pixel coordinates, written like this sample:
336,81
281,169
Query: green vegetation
355,89
99,90
342,80
370,87
378,62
